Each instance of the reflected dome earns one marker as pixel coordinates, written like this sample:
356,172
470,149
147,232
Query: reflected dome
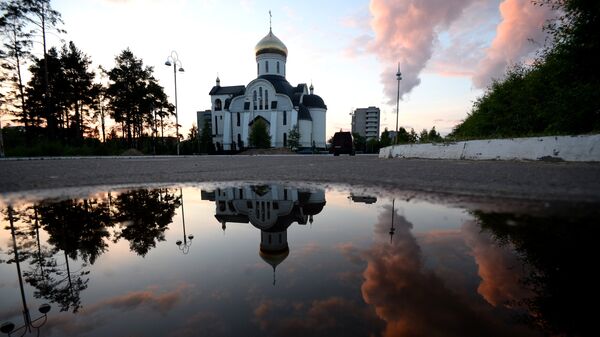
274,258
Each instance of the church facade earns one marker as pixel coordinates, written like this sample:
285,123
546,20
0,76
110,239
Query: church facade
269,98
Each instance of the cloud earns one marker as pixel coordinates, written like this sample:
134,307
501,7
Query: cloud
405,32
498,266
518,36
414,301
146,298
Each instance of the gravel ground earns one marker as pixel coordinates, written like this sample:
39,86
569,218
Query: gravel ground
540,181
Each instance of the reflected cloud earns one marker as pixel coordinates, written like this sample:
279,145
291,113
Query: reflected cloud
500,269
162,302
413,301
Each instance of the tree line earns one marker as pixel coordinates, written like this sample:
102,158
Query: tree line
403,136
67,101
558,94
78,232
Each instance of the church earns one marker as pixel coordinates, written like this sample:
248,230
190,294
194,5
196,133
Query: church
269,98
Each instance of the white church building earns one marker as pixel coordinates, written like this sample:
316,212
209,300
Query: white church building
270,98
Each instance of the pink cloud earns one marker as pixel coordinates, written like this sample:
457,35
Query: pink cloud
414,301
499,267
518,36
405,32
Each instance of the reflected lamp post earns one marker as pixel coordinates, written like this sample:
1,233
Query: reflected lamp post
173,60
399,78
28,323
184,245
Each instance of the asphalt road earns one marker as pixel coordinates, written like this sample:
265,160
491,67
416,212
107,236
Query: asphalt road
570,182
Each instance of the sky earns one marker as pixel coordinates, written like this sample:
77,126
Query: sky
448,50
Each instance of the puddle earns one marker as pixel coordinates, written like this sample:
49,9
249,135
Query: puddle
273,260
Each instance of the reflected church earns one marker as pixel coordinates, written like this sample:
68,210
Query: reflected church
270,208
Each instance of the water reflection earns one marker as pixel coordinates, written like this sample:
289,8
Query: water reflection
369,266
270,208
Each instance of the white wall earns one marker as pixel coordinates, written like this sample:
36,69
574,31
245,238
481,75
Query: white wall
318,126
567,148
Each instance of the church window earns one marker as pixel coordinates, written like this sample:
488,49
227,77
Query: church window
284,194
277,67
266,99
218,105
267,66
285,118
258,68
241,144
216,126
238,119
260,99
284,139
254,100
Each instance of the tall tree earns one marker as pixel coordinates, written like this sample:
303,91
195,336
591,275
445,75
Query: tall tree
41,14
16,49
47,108
129,93
79,80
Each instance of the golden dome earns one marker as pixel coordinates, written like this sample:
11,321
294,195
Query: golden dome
270,44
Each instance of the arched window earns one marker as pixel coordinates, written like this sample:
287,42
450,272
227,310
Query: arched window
254,99
266,99
238,119
241,145
218,105
260,99
277,67
267,67
216,126
257,68
284,139
285,118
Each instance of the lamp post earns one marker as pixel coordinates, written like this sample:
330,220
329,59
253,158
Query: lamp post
399,78
184,245
28,323
173,59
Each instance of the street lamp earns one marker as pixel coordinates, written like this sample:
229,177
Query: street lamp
184,245
399,78
29,324
173,59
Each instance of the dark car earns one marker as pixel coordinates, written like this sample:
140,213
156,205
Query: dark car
342,143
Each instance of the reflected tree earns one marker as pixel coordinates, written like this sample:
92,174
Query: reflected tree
77,229
559,252
144,215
